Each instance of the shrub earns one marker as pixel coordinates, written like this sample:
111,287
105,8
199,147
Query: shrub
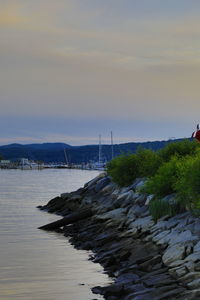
123,169
180,175
188,184
182,148
162,183
148,162
174,169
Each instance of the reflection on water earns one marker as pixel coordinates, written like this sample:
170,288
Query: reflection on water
34,264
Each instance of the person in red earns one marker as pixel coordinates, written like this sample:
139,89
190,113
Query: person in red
196,134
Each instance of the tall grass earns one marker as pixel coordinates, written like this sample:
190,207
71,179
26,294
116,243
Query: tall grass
160,207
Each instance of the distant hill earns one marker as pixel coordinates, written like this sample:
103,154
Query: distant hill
54,152
44,146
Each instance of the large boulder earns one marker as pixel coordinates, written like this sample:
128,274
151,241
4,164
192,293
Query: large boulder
143,224
171,237
184,237
109,188
124,199
117,214
195,284
89,185
160,236
194,257
173,253
138,183
101,184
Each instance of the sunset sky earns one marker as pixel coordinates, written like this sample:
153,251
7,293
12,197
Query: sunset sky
73,69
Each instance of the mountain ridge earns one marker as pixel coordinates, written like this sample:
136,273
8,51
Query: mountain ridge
54,152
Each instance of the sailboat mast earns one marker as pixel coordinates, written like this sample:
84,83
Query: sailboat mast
66,156
112,149
99,149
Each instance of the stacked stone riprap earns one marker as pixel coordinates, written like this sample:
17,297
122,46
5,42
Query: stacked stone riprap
147,260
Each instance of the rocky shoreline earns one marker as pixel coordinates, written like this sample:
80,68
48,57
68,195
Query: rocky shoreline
147,260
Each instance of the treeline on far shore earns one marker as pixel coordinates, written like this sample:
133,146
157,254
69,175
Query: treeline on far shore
174,169
62,153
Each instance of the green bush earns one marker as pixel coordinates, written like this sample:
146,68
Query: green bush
162,183
182,148
188,184
148,162
174,169
123,169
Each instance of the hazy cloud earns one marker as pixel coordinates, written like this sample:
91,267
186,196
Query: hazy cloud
105,60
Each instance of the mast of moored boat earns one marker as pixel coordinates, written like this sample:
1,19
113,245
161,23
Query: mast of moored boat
112,149
66,159
99,149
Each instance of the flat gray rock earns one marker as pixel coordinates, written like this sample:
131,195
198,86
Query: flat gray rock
195,284
173,253
116,214
142,223
194,257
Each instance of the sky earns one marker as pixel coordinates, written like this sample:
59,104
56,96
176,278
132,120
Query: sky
73,69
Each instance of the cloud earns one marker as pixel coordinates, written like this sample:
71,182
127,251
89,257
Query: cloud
10,15
64,29
99,60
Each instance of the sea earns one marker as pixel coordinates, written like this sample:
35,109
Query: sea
35,264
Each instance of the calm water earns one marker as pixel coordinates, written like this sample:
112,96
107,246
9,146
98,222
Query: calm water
38,265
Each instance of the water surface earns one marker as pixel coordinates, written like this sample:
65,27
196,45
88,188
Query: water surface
34,264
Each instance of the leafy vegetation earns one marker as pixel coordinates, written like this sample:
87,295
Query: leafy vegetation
174,169
185,183
180,149
162,183
123,169
148,162
187,186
